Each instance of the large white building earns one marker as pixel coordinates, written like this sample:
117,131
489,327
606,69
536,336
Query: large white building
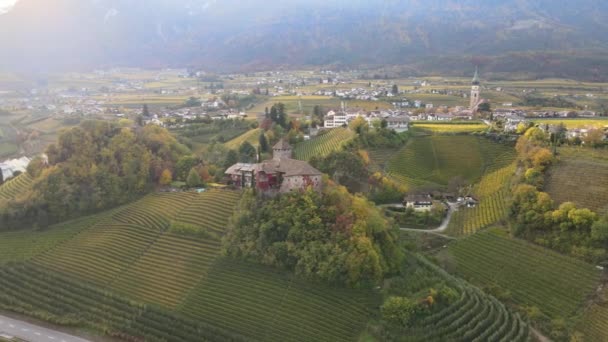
9,167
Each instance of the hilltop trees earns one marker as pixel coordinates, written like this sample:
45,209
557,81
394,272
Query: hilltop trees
335,237
95,166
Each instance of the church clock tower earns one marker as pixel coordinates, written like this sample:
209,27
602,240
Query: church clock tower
475,91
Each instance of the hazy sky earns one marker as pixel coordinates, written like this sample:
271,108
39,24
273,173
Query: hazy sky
6,4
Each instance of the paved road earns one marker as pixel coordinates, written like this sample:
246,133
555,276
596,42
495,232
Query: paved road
33,333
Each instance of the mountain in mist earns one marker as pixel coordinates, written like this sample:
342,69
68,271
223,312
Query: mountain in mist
246,34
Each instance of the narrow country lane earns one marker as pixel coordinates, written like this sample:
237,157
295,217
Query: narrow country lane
10,327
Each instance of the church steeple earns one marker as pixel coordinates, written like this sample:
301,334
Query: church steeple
475,91
476,77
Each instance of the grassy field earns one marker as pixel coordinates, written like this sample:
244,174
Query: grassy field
578,177
558,285
133,253
251,136
435,160
323,144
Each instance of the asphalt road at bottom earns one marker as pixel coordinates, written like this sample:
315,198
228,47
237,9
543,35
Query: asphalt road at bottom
33,333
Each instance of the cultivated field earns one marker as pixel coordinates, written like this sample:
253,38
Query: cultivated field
580,178
492,193
251,137
556,284
265,304
132,256
575,123
324,144
435,160
15,187
594,325
476,316
449,128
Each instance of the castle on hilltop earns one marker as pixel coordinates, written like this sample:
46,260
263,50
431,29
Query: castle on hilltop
281,174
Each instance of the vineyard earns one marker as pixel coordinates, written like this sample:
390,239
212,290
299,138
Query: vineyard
492,193
436,160
14,187
449,128
48,296
133,253
267,305
476,316
22,245
594,324
577,179
323,144
251,137
533,275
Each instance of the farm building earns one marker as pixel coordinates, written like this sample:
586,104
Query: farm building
280,174
419,202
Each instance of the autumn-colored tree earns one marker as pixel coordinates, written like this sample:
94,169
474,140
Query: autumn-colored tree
166,177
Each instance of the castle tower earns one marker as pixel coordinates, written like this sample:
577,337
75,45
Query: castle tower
282,150
475,91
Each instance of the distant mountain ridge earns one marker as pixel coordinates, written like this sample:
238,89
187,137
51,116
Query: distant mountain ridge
248,34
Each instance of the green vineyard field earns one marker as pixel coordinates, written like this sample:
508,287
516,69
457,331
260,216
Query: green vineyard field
264,304
15,187
476,316
533,275
594,325
576,178
251,136
157,284
324,144
492,193
435,160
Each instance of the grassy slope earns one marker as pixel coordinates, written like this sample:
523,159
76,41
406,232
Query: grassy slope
558,285
578,177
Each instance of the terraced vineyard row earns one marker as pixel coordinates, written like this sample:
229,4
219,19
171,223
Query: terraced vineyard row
45,295
155,211
556,284
14,187
23,245
476,316
168,270
264,304
324,144
210,211
99,255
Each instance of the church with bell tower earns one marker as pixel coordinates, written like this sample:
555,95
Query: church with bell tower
475,90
